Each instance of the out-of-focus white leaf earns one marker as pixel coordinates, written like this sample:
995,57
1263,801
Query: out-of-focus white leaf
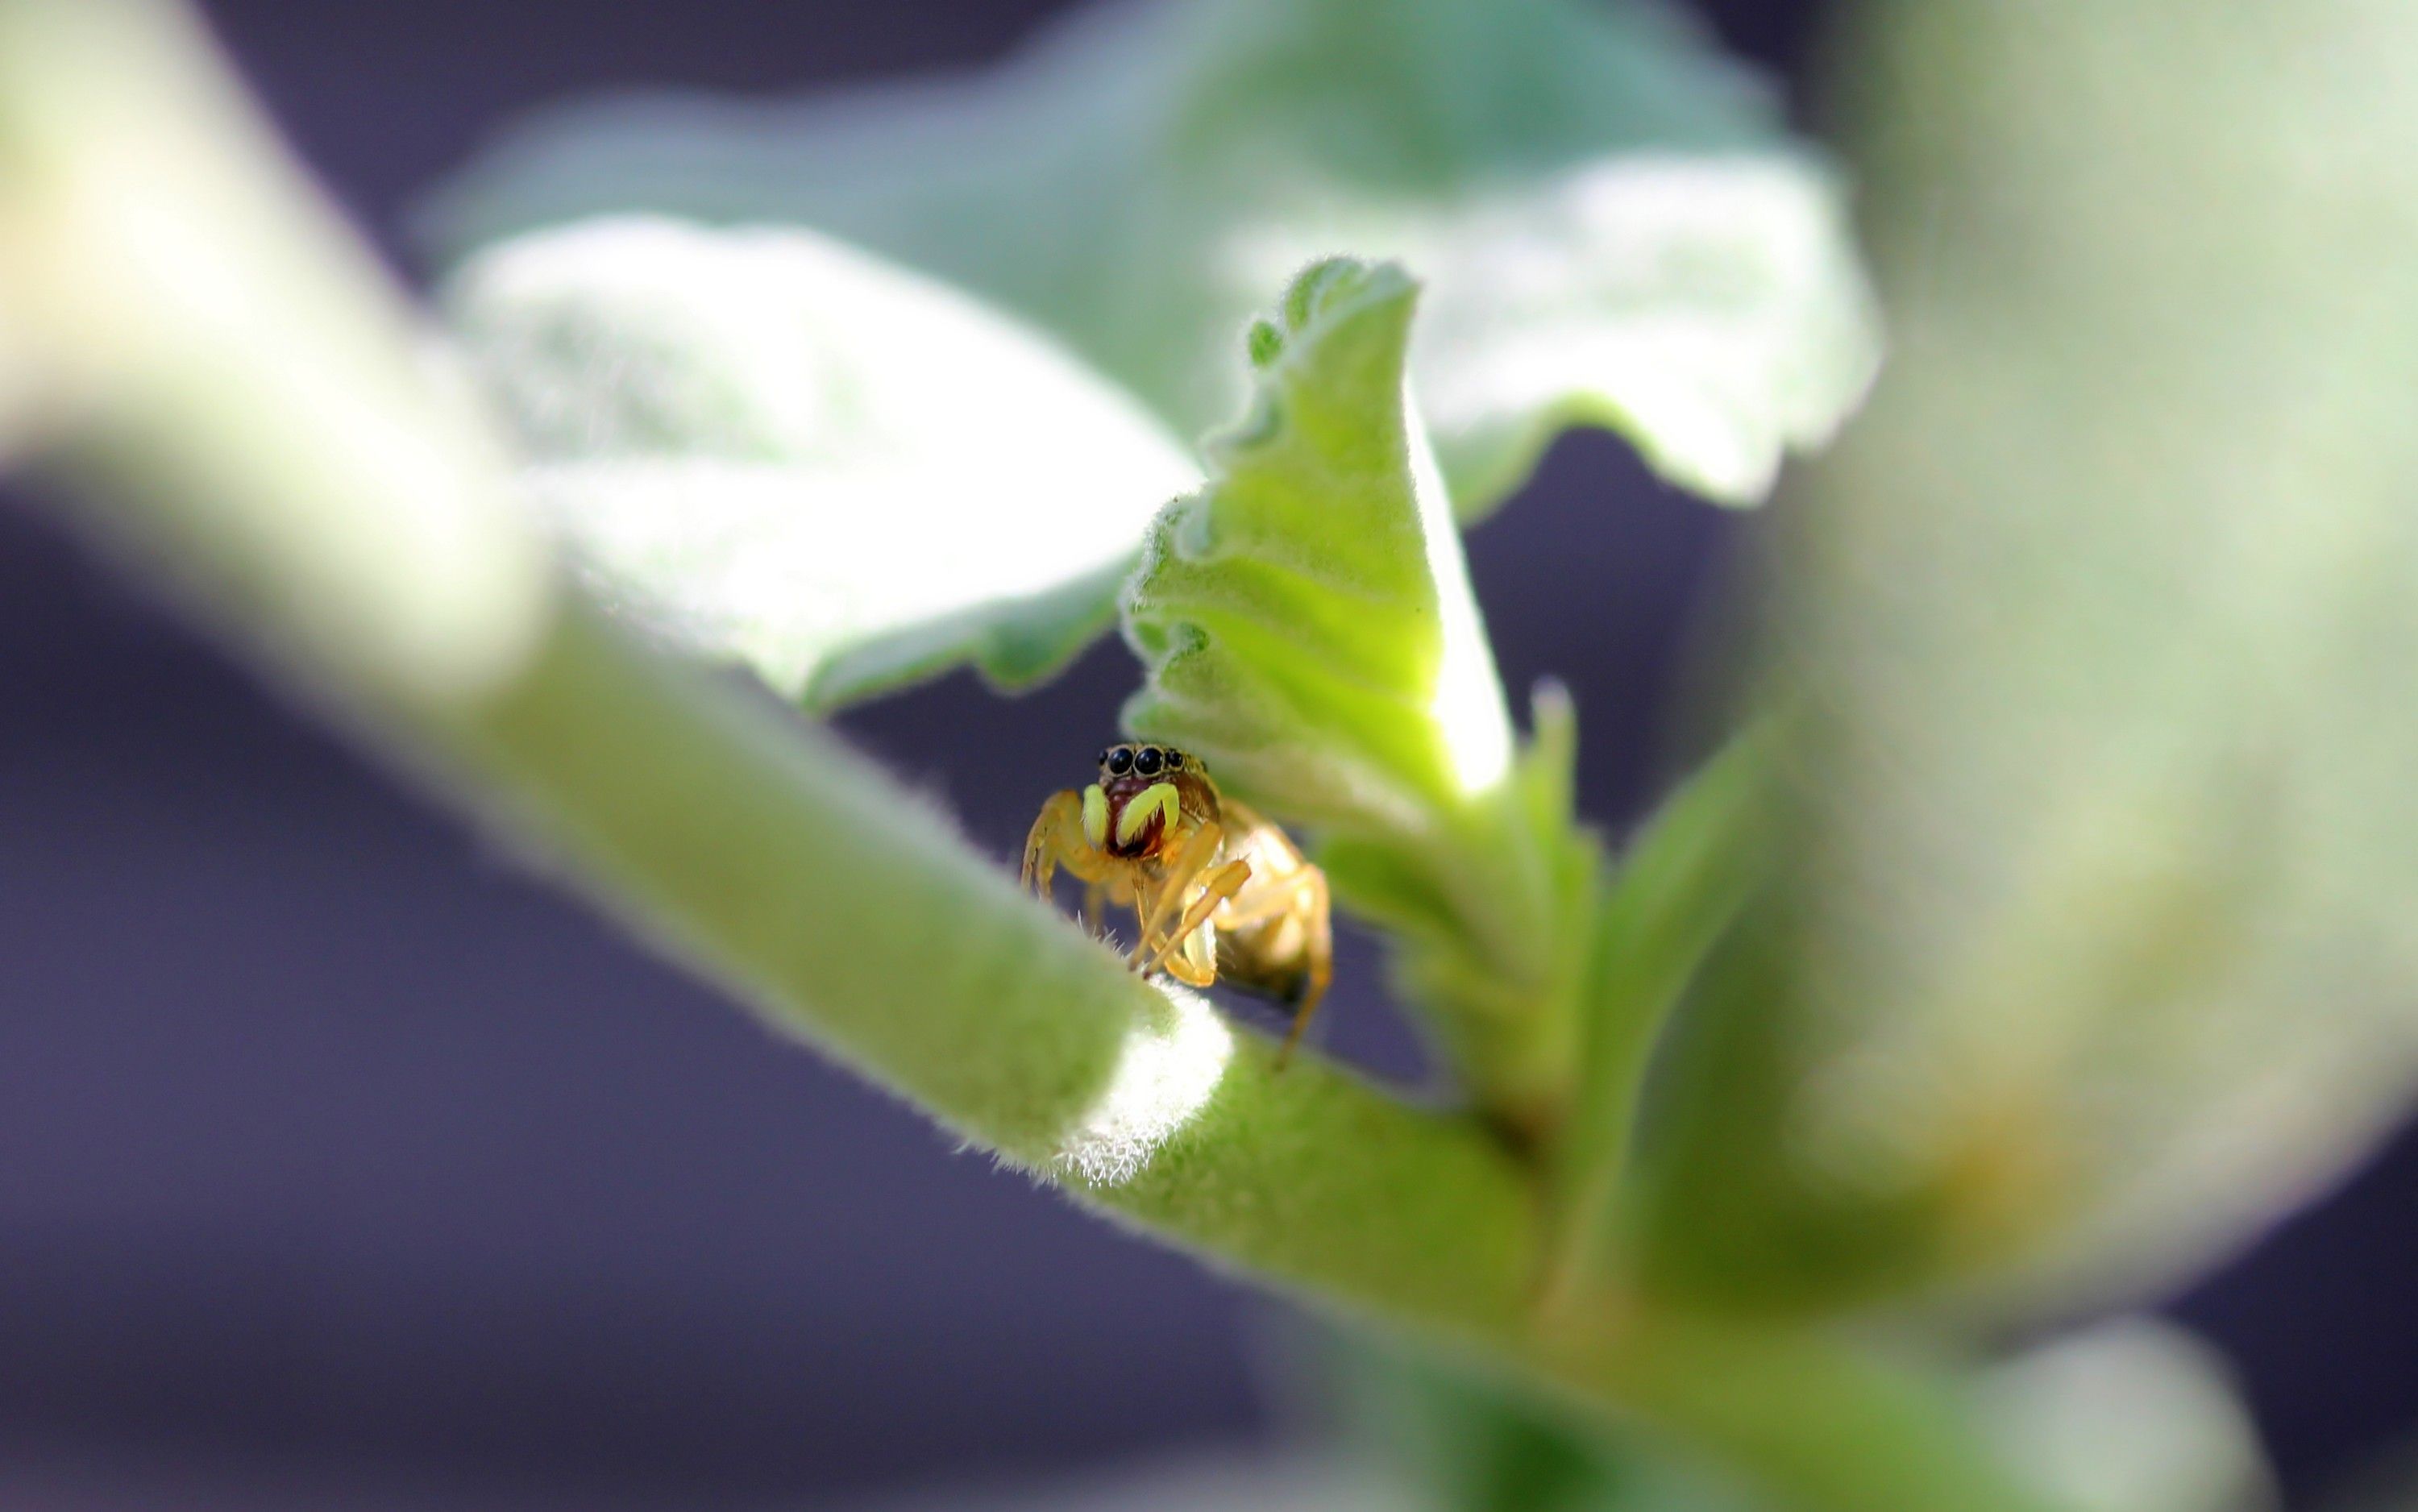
2133,1415
777,449
1613,223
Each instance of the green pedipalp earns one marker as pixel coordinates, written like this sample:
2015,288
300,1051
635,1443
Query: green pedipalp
1096,815
1160,798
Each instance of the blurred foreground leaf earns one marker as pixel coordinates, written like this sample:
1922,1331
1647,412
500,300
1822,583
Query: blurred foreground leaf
17,398
2099,947
1614,226
774,449
1464,1442
1238,1479
2129,1415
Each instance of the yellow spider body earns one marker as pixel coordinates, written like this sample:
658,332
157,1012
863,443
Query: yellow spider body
1216,889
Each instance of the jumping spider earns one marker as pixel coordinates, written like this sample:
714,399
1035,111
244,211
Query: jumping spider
1215,887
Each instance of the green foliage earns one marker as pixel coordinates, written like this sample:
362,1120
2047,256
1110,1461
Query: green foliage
2128,1415
2053,933
1679,887
1615,229
1472,1442
771,447
1305,622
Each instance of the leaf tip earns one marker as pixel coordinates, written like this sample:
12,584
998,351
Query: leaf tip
1264,342
1325,290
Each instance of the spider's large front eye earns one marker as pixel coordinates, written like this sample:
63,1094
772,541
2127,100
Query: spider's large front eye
1147,763
1120,762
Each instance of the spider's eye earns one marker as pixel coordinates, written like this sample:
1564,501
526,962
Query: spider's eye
1147,763
1119,761
1175,761
1102,760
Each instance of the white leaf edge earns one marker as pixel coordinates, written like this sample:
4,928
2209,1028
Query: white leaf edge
770,446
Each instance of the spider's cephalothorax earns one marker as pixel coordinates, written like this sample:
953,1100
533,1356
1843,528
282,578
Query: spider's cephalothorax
1150,798
1216,889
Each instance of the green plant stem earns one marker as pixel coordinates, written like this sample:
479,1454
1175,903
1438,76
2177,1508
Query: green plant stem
779,865
359,542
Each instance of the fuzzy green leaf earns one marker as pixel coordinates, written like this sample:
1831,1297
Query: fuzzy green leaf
1681,883
1614,226
1307,625
1306,618
774,449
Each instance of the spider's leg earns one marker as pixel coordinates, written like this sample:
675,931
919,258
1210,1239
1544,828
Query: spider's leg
1216,889
1053,839
1193,858
1316,907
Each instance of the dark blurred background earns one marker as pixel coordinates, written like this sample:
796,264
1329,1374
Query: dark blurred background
341,1164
